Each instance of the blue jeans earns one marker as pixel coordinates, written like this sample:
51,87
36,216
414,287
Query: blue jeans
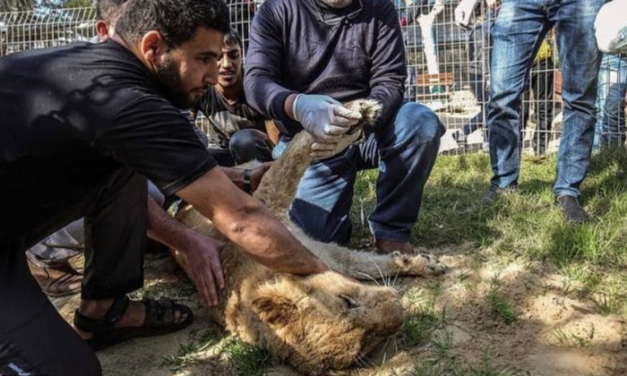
611,101
404,150
519,30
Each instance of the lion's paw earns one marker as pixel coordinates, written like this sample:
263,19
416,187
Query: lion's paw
421,264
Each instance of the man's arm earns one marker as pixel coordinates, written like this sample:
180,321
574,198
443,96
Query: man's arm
249,224
389,68
263,66
201,253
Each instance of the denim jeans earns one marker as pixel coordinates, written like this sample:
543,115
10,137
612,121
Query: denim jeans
519,30
404,150
611,101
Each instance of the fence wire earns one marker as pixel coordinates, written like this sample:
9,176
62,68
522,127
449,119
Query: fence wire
448,68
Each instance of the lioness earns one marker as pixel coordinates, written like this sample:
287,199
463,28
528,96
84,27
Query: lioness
318,323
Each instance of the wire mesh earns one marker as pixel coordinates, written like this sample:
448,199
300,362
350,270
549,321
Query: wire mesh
448,68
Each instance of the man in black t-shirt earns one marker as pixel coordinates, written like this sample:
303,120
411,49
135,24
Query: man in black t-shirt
94,121
238,132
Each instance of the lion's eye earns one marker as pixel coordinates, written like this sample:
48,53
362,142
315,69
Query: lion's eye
350,303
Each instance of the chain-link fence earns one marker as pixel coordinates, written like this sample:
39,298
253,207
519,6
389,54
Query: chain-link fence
448,68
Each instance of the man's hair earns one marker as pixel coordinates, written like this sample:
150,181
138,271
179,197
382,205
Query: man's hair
175,20
233,38
109,10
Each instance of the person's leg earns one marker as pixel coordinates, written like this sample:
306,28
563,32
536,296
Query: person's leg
58,248
115,238
250,144
580,61
542,85
324,197
525,104
613,84
600,139
477,86
34,339
517,34
406,150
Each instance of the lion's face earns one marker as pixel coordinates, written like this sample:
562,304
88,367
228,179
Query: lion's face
325,321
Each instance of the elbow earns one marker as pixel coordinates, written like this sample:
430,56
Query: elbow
243,216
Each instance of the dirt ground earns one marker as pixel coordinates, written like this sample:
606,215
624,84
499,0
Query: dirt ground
555,334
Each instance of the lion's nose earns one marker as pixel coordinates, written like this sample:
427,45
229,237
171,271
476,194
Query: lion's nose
394,318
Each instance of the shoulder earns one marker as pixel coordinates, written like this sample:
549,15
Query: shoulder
280,9
210,102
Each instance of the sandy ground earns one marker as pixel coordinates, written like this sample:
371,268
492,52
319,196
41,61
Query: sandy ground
556,333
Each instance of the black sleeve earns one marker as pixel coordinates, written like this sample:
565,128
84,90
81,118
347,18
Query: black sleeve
262,78
388,64
157,140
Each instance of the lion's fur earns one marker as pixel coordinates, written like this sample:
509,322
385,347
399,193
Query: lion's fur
318,323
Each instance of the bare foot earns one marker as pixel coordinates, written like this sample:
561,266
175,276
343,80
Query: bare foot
390,246
133,316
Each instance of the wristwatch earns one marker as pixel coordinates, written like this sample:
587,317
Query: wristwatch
246,186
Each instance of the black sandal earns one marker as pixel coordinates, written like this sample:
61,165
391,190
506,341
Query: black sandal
159,320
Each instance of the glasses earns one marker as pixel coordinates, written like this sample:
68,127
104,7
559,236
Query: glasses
332,20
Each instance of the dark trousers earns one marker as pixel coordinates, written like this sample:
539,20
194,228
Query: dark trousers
245,145
541,82
113,202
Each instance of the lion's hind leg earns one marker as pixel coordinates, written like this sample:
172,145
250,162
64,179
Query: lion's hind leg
368,265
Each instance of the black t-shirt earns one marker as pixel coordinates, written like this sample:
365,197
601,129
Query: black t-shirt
72,114
226,119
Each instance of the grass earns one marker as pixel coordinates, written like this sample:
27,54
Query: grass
443,362
248,360
524,226
188,351
526,223
499,303
423,318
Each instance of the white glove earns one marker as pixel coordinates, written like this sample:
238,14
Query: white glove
324,117
464,13
323,150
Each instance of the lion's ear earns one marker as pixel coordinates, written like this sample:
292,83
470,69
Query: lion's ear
275,310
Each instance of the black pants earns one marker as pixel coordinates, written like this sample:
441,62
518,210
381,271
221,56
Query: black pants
245,145
541,82
33,337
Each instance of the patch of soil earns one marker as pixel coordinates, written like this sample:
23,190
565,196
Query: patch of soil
555,332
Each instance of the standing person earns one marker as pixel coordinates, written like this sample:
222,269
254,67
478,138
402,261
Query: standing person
307,56
238,131
94,133
541,83
611,100
479,46
518,33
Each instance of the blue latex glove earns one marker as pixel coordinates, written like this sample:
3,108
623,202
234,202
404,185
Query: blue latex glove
323,116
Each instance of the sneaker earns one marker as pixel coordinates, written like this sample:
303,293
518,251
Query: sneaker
572,209
488,199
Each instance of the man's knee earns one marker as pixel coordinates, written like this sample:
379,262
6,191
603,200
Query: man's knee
419,123
248,144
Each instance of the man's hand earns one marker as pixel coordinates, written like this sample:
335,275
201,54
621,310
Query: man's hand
323,116
201,261
257,174
464,13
